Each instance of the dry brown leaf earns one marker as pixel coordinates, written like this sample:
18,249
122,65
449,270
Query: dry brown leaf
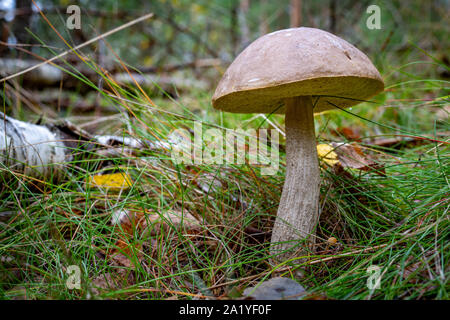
352,156
177,219
154,222
443,113
111,281
348,133
128,222
408,141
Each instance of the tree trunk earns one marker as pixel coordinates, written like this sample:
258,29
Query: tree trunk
233,23
333,16
242,16
296,13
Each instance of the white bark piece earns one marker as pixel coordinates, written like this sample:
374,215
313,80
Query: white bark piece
30,149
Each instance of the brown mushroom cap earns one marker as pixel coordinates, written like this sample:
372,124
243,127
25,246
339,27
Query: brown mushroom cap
296,62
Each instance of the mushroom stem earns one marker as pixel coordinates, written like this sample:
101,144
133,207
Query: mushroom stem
298,210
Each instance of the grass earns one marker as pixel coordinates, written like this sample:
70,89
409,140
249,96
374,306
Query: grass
397,220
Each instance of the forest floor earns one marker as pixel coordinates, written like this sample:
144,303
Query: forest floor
178,231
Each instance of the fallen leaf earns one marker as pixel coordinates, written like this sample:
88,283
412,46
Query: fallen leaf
113,280
352,156
326,154
153,222
211,182
443,113
348,133
129,222
408,141
176,219
113,181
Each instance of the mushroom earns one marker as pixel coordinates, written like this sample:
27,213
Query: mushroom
298,72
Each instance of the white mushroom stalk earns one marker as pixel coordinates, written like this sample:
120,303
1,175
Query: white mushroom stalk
298,211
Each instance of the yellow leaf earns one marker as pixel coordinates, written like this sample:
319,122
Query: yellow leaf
111,181
144,44
326,153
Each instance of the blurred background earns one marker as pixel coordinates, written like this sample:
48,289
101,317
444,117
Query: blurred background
202,36
184,49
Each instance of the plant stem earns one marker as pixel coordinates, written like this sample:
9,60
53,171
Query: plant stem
298,210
